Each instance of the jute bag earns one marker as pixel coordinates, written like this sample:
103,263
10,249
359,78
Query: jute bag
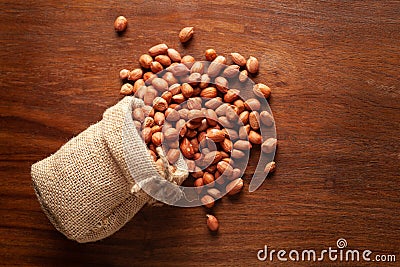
94,183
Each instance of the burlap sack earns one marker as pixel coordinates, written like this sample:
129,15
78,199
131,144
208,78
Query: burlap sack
87,188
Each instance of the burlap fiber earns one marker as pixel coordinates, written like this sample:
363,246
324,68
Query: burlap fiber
85,188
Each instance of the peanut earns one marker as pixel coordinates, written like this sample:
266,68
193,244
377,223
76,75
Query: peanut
269,145
205,131
212,223
186,34
210,54
120,24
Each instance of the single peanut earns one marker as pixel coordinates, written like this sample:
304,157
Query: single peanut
160,104
156,67
157,138
171,135
126,89
197,67
215,135
269,145
242,145
208,179
173,155
138,114
186,148
231,95
178,70
146,135
270,167
159,118
262,90
208,201
238,59
210,54
212,223
214,192
224,168
186,34
160,84
237,154
120,24
254,120
135,74
159,49
145,61
124,74
244,117
187,90
231,71
171,115
252,104
167,96
252,65
198,183
188,61
222,84
209,92
138,83
174,55
216,66
204,80
243,76
235,186
266,118
255,137
163,60
226,145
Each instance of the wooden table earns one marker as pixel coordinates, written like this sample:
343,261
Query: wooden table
334,70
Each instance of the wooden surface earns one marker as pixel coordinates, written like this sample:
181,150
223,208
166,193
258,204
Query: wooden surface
333,67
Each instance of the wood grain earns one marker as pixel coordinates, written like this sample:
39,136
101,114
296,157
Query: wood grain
334,70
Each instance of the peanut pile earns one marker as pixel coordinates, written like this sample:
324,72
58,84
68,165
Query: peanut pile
192,109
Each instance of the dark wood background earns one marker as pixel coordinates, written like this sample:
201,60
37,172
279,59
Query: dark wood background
334,70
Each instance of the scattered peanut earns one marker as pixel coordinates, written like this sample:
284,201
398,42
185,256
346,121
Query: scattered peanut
120,24
270,167
252,65
234,187
210,54
126,89
124,74
269,145
186,34
212,222
238,59
261,90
